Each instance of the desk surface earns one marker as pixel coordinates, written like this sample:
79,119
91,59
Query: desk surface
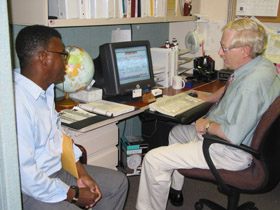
205,87
141,106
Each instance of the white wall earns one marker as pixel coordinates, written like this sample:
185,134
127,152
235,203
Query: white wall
214,9
213,17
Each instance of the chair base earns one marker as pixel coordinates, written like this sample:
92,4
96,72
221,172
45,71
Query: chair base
214,206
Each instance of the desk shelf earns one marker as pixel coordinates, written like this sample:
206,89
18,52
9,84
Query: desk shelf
30,12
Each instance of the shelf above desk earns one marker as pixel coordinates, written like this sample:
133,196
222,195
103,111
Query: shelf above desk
116,21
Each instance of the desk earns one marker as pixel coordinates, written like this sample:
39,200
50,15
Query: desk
101,139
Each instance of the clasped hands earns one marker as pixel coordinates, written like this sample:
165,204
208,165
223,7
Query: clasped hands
90,193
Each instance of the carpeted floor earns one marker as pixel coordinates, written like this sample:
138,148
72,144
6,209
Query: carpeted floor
194,189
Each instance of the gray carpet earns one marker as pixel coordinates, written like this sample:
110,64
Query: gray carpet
194,189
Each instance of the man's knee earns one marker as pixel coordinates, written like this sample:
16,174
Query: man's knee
174,134
122,181
152,156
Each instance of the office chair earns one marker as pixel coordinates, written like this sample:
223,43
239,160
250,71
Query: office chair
263,174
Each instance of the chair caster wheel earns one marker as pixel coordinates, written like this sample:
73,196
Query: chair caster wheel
249,206
198,206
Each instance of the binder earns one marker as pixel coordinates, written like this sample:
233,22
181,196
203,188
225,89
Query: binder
99,9
119,13
145,8
64,9
84,10
172,7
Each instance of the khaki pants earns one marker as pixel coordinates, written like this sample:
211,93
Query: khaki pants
185,151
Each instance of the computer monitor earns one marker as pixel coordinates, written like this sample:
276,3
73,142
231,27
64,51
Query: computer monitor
122,67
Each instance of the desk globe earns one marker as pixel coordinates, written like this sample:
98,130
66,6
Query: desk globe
79,74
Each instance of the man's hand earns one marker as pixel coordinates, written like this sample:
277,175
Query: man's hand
88,186
200,125
84,197
88,182
213,128
87,198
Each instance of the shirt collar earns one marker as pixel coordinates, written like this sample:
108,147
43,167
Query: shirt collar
33,89
246,69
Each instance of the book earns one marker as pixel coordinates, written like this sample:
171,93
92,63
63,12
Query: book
172,7
133,8
107,108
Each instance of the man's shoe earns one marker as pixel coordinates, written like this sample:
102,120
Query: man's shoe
176,197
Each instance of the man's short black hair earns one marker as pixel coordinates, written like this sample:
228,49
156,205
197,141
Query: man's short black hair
33,38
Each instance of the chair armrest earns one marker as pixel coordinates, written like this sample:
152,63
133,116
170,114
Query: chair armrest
207,142
211,139
83,158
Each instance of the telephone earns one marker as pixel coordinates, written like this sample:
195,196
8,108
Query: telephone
204,69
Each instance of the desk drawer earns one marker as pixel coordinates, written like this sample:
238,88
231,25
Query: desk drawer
98,139
107,158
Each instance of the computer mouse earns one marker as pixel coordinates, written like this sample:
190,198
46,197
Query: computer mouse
193,94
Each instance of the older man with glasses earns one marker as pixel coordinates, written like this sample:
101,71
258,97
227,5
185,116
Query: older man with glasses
255,85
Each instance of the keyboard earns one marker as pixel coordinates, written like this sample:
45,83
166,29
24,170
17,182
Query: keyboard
175,105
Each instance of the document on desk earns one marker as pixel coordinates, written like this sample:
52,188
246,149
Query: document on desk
175,105
78,118
69,116
107,108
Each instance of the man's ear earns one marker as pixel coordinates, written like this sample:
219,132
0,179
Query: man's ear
43,58
247,51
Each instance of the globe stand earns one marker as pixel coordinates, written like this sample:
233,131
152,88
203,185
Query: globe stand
65,103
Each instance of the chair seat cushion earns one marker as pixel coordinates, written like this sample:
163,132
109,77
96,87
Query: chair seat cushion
249,179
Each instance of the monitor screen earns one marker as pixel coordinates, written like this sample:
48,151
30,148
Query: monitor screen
122,67
132,63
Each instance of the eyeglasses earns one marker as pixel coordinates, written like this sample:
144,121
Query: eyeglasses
63,53
226,49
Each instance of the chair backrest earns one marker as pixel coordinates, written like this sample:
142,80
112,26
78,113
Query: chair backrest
266,141
265,125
